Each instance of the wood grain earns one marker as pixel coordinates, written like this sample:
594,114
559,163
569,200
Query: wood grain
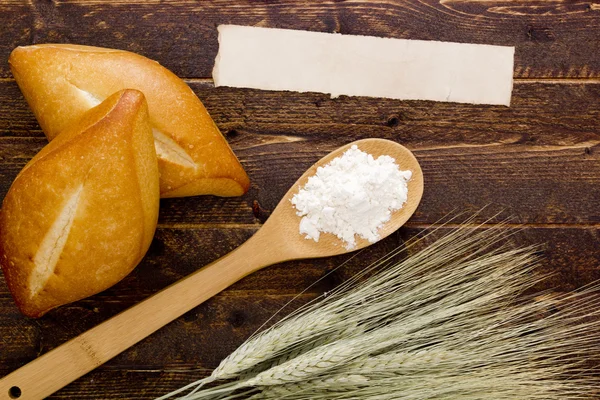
195,343
541,112
571,253
134,384
533,184
538,161
542,153
552,38
277,241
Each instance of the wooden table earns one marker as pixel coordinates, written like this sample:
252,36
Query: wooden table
537,161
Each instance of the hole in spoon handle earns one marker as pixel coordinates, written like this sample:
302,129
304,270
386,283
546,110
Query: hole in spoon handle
14,392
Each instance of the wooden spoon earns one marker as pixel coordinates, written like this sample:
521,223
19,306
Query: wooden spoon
277,241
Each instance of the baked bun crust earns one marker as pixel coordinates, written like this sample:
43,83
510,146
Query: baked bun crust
62,81
82,213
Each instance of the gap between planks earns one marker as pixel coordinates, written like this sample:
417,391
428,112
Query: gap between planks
486,225
557,80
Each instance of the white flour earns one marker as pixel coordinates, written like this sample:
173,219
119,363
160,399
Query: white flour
354,194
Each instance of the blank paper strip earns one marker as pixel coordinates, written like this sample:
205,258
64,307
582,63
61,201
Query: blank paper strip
302,61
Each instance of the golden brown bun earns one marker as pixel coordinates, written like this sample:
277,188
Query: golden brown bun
61,82
81,214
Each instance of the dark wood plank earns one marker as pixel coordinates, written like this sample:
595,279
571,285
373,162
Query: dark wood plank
18,28
533,184
542,113
16,119
130,384
571,253
538,160
200,339
136,384
552,39
195,343
541,153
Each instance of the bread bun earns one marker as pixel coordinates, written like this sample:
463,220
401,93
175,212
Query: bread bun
61,82
82,213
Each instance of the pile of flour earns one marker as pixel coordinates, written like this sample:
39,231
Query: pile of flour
354,194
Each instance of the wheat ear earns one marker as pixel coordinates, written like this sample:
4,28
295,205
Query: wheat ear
272,343
338,384
450,321
306,366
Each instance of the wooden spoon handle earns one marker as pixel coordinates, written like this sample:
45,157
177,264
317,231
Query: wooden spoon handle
61,366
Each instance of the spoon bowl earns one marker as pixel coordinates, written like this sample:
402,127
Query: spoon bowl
278,240
285,221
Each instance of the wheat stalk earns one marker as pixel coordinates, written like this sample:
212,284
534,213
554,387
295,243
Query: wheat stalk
450,321
306,326
348,332
273,342
339,383
306,366
288,338
310,365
